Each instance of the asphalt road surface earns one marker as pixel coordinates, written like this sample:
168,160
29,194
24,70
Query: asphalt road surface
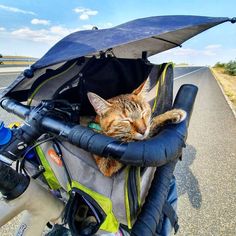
5,80
206,176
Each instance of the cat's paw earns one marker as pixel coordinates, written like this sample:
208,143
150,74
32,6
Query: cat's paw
179,115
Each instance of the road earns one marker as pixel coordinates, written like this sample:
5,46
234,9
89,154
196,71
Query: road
5,80
206,176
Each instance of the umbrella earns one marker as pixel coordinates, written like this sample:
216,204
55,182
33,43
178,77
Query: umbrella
134,39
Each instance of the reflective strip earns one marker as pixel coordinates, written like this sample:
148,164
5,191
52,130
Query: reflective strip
110,224
132,196
163,76
48,173
30,99
138,183
127,208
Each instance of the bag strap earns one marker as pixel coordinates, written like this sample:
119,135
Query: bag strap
169,212
132,194
160,82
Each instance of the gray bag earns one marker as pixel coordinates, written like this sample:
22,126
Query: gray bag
122,195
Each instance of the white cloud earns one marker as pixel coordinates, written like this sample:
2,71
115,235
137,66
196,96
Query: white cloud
85,13
46,35
49,36
209,53
188,52
40,22
62,31
204,56
213,46
16,10
2,29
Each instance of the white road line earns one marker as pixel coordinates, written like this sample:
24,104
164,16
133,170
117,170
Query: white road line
2,88
189,73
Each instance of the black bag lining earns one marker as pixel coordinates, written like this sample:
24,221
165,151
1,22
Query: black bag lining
107,77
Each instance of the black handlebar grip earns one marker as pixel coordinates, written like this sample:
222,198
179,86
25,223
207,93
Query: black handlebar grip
89,140
185,99
13,106
159,150
151,213
12,184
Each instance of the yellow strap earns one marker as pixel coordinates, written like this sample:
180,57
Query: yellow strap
138,183
138,178
110,224
127,208
163,76
14,125
48,173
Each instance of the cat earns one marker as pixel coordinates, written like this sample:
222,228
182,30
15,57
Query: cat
127,117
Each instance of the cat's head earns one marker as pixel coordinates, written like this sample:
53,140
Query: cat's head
126,117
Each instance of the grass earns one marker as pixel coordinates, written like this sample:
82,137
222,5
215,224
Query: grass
228,83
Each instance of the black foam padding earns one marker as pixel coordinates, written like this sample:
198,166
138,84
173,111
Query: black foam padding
12,184
185,99
89,140
159,150
151,213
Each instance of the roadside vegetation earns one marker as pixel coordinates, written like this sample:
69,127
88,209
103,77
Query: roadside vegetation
229,68
16,60
225,73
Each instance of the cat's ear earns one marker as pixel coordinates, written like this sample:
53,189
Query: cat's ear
99,104
143,89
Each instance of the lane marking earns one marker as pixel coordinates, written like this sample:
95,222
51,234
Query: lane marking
2,88
194,71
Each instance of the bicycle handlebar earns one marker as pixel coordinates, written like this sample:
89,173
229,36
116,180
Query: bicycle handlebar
157,151
162,150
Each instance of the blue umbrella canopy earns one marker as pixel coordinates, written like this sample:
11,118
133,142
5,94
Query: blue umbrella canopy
133,39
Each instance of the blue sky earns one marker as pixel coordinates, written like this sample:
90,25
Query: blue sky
31,27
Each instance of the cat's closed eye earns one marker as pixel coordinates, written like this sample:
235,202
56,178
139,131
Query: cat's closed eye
127,120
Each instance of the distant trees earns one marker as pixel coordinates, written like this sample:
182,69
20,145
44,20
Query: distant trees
230,67
219,65
1,61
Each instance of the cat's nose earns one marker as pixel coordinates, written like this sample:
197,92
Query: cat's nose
140,126
142,130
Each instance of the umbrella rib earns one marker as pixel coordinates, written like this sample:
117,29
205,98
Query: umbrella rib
165,40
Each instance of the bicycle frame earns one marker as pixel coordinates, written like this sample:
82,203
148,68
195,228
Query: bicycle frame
38,205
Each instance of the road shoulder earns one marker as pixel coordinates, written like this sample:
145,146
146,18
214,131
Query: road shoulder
226,85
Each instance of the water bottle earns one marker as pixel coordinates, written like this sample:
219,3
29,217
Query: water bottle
5,134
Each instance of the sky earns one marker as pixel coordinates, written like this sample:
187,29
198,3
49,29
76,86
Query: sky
31,27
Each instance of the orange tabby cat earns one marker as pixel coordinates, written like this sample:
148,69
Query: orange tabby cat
128,117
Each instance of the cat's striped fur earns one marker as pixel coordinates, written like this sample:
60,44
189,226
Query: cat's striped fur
128,117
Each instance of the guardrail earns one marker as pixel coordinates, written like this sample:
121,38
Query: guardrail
18,59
